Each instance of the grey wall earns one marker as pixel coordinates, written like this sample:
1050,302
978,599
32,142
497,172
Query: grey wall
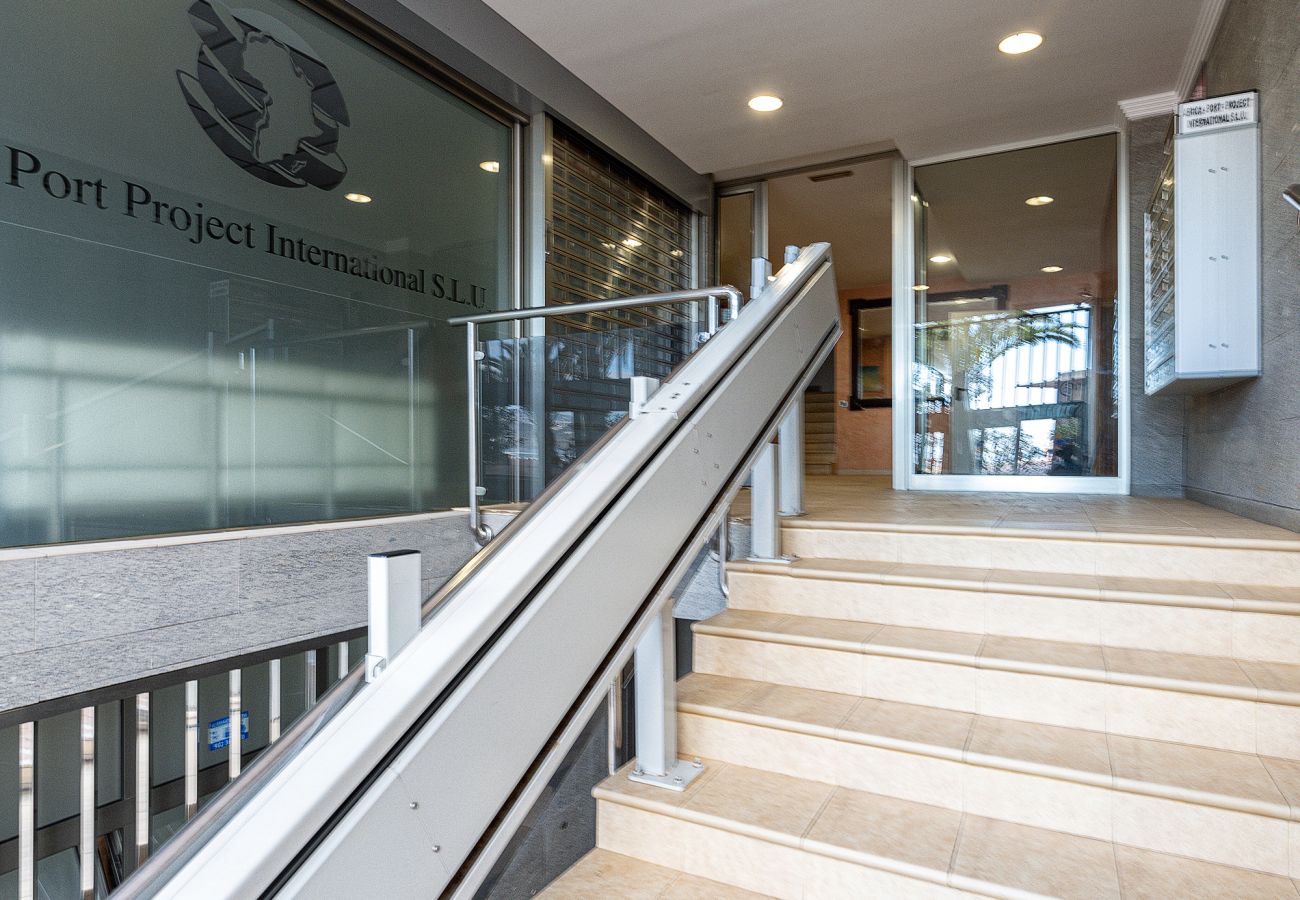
1243,443
80,619
1157,422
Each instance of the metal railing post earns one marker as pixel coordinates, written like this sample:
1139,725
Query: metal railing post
235,751
394,601
86,850
765,524
142,780
27,811
482,533
790,453
656,708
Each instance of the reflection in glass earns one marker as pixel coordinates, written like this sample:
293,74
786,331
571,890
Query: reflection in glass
1016,328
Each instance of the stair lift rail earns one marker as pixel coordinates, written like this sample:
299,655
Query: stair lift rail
413,786
714,296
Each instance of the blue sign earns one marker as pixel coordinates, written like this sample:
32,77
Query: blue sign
219,731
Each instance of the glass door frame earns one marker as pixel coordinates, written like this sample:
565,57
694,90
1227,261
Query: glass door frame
905,262
758,223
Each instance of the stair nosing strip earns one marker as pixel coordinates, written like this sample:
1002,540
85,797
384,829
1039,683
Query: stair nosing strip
1157,790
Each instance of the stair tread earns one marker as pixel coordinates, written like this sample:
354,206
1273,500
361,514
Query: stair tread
1212,675
1240,781
929,843
603,874
1279,599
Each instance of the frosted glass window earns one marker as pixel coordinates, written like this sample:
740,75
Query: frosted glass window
197,328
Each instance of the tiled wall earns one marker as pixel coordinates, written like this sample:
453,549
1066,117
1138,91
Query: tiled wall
1157,422
1243,443
77,619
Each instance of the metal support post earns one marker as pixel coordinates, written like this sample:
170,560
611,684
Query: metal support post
643,387
760,272
394,597
790,454
142,785
765,540
86,850
191,749
656,708
27,811
614,713
235,756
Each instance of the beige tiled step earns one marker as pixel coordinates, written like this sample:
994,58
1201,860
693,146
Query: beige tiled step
796,838
1244,621
1251,707
819,429
1215,805
823,457
605,875
817,469
1120,549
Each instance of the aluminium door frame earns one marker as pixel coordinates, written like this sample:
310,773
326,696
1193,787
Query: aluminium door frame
904,474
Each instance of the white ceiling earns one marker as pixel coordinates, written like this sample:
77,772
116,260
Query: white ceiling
852,214
977,212
924,74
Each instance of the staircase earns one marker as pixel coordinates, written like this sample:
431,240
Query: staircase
1101,714
819,432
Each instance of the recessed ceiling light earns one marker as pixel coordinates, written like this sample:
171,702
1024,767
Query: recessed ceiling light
940,259
358,198
490,165
679,252
920,287
1040,200
631,242
1020,42
765,103
1169,182
1052,270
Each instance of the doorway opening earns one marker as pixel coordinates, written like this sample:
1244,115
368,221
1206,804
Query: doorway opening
847,409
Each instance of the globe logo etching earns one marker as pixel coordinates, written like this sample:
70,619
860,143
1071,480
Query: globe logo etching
264,99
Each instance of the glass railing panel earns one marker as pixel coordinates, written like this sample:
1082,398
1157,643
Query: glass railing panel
546,400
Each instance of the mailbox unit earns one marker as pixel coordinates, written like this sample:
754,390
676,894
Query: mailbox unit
1203,251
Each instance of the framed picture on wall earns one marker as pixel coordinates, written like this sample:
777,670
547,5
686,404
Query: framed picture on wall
871,378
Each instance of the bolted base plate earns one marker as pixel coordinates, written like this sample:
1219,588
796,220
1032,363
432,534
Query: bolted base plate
778,561
677,778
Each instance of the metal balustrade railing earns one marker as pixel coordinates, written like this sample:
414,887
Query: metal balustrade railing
107,765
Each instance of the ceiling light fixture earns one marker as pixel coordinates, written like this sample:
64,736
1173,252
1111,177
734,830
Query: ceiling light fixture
1052,270
358,198
1040,200
941,258
1020,42
679,253
765,103
631,242
920,287
490,165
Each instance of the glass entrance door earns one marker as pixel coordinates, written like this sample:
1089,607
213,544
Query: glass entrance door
1015,327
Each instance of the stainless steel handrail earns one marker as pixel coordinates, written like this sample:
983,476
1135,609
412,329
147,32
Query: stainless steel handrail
714,296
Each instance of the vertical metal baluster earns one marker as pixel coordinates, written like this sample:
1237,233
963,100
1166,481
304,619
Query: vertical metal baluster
343,660
615,714
141,778
27,811
191,749
236,722
87,844
310,670
273,726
